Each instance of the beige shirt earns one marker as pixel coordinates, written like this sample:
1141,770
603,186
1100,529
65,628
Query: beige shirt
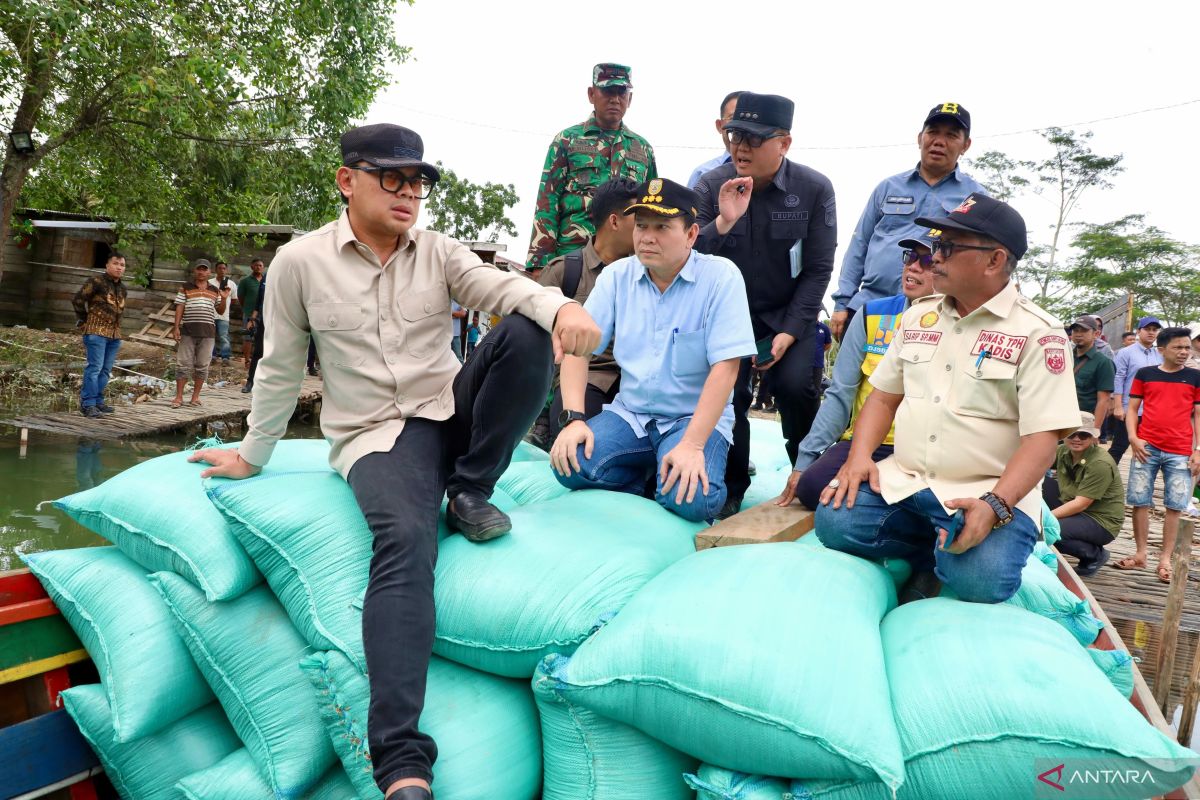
382,333
602,369
962,417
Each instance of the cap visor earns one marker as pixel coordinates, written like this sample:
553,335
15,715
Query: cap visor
666,212
909,244
428,170
756,128
946,118
614,82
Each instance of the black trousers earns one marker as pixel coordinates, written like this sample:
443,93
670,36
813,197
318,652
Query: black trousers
1082,536
824,469
497,395
1120,440
791,383
593,403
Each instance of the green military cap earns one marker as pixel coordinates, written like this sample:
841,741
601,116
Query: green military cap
604,75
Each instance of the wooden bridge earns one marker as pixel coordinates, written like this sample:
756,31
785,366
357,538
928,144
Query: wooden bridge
219,404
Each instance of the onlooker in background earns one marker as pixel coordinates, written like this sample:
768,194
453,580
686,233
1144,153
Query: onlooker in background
222,282
777,220
247,292
1093,370
1112,423
823,451
256,328
934,186
580,159
1129,360
472,334
1101,340
1168,397
1086,497
1194,359
727,106
98,305
457,313
196,308
575,274
1128,338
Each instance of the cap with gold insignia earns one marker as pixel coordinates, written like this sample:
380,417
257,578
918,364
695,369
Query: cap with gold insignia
605,75
951,112
665,197
922,237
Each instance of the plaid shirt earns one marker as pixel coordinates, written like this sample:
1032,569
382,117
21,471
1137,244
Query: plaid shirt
99,304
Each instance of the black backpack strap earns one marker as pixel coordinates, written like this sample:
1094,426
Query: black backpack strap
572,272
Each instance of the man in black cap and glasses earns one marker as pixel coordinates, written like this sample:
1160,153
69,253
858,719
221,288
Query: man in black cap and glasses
978,385
777,221
406,421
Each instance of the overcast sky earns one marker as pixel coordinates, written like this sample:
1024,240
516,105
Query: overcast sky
489,84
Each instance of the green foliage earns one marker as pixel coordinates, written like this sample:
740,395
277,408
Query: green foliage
465,210
187,113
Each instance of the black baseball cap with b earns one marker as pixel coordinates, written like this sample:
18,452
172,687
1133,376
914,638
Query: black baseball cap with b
952,112
985,216
387,146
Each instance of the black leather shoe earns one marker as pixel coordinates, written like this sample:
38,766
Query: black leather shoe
411,793
105,408
90,411
247,389
732,506
476,518
1087,570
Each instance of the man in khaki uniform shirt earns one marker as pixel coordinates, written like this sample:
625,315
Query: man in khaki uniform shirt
406,421
977,381
613,240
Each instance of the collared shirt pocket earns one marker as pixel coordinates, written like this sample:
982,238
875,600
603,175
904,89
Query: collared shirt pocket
583,180
916,359
427,314
689,354
336,328
986,390
897,212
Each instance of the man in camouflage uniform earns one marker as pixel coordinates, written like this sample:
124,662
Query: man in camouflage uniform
581,158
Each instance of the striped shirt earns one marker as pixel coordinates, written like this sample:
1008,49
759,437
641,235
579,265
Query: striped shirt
199,311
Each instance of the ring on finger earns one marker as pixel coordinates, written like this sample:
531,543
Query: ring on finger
835,483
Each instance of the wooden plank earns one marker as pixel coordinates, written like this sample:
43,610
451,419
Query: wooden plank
41,752
1172,613
765,522
19,586
22,671
35,641
23,612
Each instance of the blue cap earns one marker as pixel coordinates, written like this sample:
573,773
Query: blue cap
1145,321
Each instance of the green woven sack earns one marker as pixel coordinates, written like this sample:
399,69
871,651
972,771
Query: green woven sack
589,756
764,659
148,676
158,514
568,564
1117,666
247,650
530,482
486,729
236,778
714,783
148,768
987,697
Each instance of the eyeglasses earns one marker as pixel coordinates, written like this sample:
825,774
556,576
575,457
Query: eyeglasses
393,180
615,91
947,248
1079,436
925,259
751,139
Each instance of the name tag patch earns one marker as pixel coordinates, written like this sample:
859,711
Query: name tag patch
1000,346
1052,339
892,198
922,337
789,216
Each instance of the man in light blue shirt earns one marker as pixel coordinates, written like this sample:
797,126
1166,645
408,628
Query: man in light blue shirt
936,186
727,107
680,325
1142,353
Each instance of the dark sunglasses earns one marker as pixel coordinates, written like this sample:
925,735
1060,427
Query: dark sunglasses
615,91
925,259
393,180
947,248
752,139
1079,436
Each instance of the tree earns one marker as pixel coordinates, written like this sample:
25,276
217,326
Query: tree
1128,256
464,210
185,112
1063,178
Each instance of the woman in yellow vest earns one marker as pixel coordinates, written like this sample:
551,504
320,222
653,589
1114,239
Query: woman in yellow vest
824,450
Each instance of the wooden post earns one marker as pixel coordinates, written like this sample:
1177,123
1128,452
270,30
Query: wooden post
1191,696
1172,613
24,442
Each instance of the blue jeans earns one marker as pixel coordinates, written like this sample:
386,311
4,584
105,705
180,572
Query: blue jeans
101,355
990,572
222,349
456,347
1177,480
622,462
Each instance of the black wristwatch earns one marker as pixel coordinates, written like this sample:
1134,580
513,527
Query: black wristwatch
567,417
1003,513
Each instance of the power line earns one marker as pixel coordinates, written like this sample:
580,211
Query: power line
543,135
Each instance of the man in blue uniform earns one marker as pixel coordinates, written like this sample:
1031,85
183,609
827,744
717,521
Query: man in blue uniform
777,221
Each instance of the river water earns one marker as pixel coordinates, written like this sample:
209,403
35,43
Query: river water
55,466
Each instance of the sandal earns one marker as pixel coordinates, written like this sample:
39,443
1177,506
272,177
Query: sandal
1164,573
194,403
176,403
1130,562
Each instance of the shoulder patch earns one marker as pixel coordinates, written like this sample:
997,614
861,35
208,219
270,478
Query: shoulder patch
702,187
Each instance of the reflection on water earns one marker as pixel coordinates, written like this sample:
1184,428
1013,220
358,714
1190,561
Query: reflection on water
56,466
